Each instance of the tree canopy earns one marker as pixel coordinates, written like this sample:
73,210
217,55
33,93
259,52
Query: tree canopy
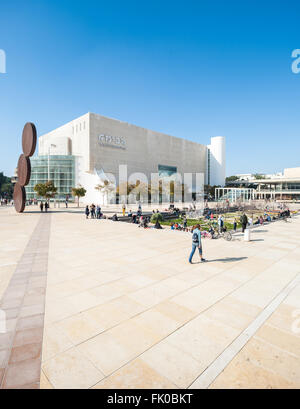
259,176
46,190
232,178
78,192
6,186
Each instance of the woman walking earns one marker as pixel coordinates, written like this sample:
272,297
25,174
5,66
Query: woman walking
196,243
87,212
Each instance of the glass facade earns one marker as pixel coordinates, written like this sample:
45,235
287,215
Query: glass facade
62,173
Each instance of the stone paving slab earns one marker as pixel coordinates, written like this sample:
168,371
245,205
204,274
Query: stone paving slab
124,309
134,309
23,304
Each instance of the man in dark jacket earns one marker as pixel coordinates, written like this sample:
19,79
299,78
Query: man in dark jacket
244,221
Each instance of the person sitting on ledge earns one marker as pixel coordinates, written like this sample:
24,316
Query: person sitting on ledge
157,225
130,213
141,220
115,218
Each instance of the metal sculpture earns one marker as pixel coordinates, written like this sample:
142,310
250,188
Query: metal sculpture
29,139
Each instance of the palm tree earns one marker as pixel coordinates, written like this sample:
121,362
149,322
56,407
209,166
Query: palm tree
105,188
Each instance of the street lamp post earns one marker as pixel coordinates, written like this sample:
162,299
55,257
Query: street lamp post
51,146
49,149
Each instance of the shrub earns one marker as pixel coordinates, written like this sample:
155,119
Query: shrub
155,217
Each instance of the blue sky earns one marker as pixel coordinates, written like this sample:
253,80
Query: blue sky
192,69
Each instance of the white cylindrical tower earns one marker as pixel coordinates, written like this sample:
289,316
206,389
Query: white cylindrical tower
217,161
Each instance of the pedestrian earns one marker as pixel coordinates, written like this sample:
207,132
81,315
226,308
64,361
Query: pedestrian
123,209
185,223
220,223
46,206
42,206
66,203
196,243
98,212
244,221
234,225
87,212
93,213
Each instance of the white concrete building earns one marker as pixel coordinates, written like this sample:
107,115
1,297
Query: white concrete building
216,159
100,145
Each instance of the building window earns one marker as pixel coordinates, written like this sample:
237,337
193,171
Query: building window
165,171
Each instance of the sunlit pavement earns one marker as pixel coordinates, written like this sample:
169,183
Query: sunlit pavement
125,309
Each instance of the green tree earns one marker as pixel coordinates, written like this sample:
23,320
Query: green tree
46,190
78,192
7,189
210,191
259,176
231,178
6,186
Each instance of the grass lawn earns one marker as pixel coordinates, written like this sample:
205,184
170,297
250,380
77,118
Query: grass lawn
205,224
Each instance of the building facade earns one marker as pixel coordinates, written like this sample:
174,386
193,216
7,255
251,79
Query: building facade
58,168
95,147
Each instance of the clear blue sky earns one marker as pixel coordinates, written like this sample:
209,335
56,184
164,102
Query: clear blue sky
193,69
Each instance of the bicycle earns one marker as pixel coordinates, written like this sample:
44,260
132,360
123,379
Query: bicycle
206,235
225,234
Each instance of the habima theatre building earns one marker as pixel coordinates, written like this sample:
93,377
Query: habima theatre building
90,150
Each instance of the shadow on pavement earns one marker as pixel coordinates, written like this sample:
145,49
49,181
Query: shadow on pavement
223,260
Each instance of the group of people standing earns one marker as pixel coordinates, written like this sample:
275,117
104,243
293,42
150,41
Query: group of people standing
94,211
44,206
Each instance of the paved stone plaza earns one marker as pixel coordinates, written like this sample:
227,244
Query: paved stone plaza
124,309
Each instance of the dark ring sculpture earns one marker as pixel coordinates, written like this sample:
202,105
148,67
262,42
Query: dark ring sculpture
24,170
29,139
19,197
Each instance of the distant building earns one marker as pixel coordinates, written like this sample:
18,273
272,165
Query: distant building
282,185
